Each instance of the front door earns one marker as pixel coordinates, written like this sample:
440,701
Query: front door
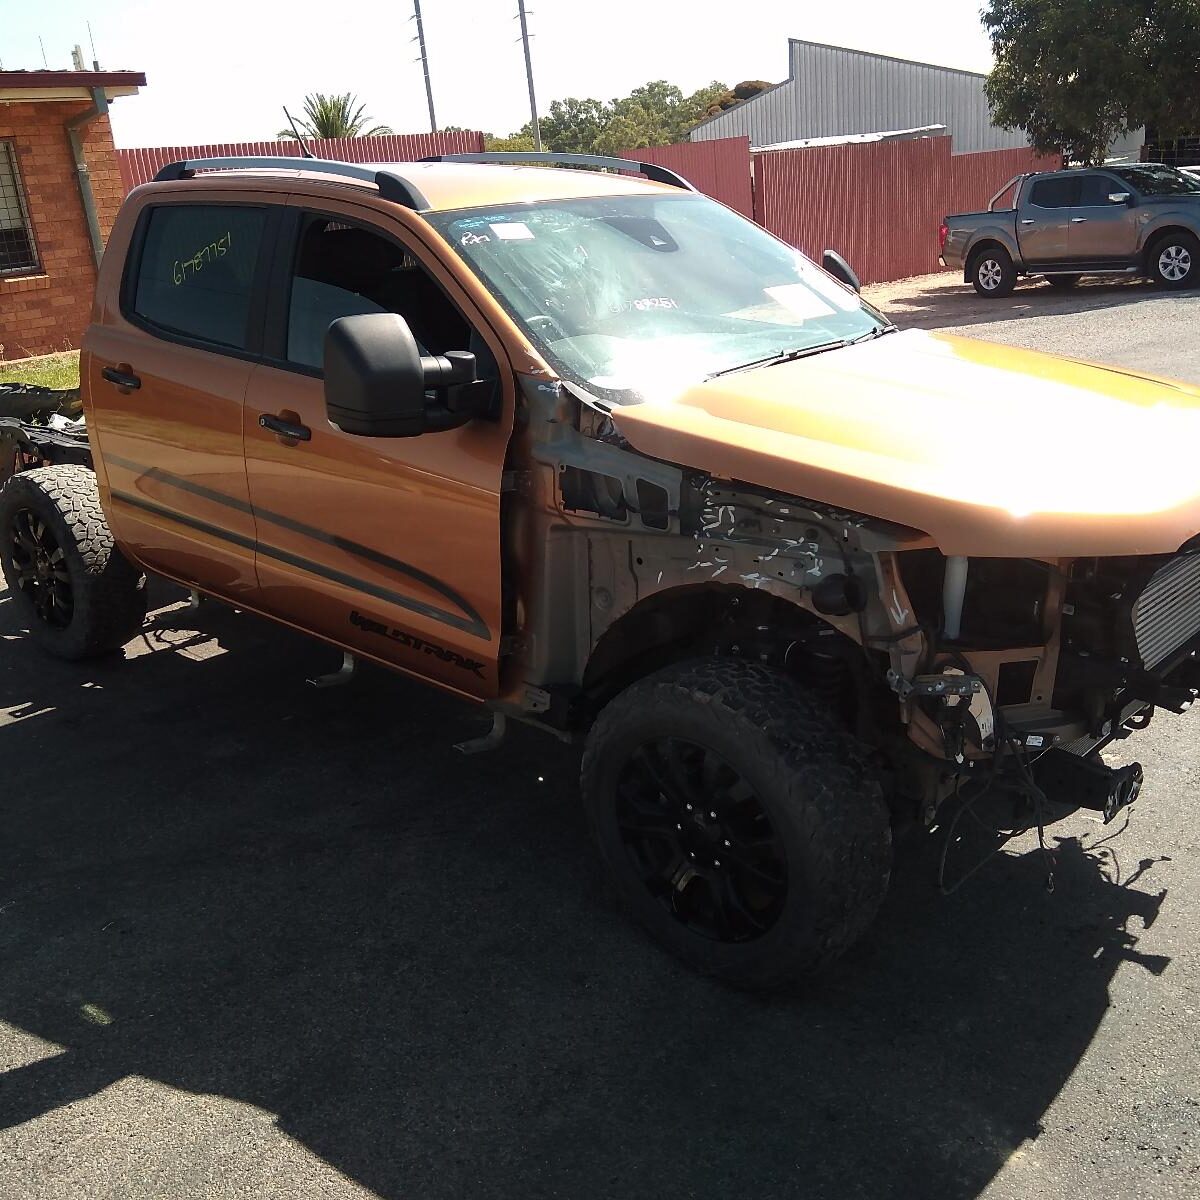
1101,231
166,381
387,546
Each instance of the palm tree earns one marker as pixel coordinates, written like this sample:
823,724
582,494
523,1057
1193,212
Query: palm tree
334,117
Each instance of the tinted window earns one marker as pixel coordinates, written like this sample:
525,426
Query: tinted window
1153,179
197,270
342,271
1054,193
1094,191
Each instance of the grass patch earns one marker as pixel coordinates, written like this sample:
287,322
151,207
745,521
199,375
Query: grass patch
49,370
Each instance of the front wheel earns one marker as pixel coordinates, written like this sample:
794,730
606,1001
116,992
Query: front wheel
1174,261
69,582
992,273
737,819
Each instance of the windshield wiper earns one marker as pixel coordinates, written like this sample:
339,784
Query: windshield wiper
785,356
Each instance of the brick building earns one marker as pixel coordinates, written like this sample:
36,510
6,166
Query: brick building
60,188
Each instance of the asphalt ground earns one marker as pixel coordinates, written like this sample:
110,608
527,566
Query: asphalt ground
267,941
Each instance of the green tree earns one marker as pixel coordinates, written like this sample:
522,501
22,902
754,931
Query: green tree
571,126
334,117
514,141
1075,74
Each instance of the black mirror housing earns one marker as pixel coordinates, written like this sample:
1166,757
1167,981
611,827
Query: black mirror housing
833,263
377,380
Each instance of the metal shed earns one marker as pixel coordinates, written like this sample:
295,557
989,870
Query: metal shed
832,91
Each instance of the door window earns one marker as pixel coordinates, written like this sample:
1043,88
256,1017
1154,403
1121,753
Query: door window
344,270
1054,193
1094,191
196,271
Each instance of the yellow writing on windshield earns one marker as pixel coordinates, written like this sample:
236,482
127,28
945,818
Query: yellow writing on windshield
181,270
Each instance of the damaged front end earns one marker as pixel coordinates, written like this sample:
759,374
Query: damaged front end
956,671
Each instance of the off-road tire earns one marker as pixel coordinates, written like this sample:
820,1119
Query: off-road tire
1173,261
810,777
992,273
108,594
1063,283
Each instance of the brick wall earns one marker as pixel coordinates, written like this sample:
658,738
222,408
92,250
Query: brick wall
49,310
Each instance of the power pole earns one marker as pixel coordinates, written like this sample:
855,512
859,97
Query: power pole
537,133
425,65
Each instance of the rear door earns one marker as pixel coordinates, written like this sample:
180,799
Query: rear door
388,546
167,368
1044,219
1101,231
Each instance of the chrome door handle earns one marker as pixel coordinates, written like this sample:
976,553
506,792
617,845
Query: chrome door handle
1079,220
1030,221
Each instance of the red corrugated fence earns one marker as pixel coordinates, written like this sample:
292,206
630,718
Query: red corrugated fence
878,204
719,168
142,164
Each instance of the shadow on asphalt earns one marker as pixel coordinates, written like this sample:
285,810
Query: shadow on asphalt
955,304
308,901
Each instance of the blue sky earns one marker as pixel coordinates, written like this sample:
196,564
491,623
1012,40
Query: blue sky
221,69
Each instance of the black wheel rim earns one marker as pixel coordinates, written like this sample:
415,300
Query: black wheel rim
40,567
701,841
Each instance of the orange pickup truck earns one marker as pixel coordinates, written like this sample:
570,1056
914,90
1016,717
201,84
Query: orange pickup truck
598,453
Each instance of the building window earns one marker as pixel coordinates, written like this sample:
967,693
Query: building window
17,251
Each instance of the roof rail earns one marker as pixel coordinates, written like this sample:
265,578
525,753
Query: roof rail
650,170
392,186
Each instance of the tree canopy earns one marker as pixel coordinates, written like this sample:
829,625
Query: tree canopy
334,117
655,114
1075,74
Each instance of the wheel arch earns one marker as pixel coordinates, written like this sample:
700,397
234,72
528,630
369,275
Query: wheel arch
695,620
1158,233
982,245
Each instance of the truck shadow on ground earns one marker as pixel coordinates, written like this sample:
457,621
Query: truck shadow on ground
309,902
954,304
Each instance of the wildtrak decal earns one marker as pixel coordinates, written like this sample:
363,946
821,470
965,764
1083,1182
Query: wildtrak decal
415,643
196,263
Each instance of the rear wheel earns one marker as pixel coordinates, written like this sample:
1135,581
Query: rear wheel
1174,261
71,585
1063,282
992,273
738,821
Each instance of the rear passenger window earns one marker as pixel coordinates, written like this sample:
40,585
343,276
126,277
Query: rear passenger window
196,270
1054,193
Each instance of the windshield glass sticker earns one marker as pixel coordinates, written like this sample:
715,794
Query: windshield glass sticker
800,300
513,231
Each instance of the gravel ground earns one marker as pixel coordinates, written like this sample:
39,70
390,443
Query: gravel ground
260,940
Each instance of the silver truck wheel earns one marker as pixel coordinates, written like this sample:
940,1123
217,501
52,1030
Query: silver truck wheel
992,273
1173,261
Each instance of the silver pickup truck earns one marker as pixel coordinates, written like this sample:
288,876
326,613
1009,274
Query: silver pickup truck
1141,219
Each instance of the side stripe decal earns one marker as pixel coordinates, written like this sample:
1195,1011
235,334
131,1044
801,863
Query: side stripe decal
470,621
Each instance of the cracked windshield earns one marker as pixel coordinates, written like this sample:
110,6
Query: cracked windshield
635,297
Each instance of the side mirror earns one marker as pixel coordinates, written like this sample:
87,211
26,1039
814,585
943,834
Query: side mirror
377,380
835,265
1120,197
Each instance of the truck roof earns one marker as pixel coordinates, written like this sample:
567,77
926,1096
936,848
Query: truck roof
434,186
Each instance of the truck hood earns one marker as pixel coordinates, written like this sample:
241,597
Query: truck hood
991,451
